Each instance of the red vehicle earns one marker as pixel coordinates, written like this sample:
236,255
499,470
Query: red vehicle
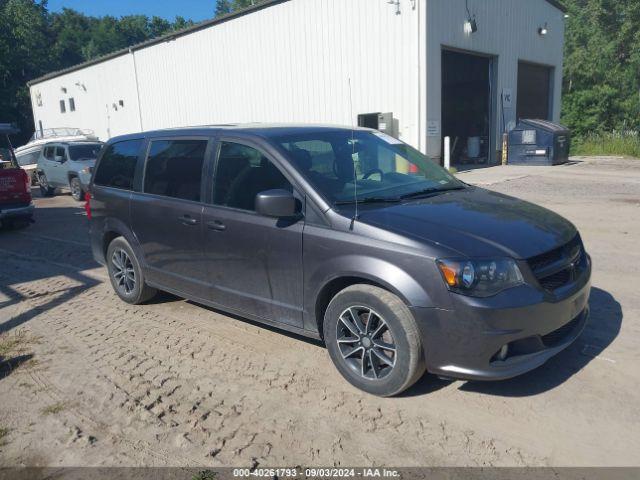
16,207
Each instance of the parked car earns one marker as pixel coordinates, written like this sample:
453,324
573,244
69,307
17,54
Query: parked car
346,235
67,165
28,155
16,207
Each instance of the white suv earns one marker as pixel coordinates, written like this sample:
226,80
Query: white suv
67,165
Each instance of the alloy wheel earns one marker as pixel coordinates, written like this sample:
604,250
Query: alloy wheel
366,343
123,272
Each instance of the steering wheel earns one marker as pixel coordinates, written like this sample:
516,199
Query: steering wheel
373,171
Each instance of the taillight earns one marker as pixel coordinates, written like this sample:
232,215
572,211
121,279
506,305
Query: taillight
27,181
87,204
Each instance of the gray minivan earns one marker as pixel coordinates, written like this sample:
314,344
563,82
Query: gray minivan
350,236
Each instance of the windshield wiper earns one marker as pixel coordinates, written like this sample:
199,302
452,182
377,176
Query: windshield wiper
370,200
430,191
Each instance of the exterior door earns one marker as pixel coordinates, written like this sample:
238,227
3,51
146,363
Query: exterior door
254,262
534,91
167,214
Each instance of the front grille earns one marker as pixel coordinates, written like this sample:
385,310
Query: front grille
557,337
557,280
561,266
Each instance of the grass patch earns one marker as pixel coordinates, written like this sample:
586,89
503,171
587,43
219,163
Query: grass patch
9,343
53,409
625,144
453,170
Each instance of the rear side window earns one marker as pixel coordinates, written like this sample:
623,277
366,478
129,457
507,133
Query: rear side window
118,165
48,152
174,168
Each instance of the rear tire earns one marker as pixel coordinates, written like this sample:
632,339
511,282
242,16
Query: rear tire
373,340
127,278
76,189
45,189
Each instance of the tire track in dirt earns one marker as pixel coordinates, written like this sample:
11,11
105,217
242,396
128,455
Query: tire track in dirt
200,387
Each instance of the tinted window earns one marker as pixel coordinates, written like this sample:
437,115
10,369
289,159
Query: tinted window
60,152
62,106
118,165
372,165
72,105
84,152
174,168
241,174
48,152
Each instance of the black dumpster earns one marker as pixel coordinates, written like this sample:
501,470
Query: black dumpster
539,142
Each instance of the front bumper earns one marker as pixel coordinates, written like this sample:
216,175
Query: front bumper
465,342
23,211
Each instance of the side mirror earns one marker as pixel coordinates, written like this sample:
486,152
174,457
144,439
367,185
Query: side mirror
276,203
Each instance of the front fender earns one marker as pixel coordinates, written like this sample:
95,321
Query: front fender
376,270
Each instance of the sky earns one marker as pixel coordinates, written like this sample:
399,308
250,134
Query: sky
196,10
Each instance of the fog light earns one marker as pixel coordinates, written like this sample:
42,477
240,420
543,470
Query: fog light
502,354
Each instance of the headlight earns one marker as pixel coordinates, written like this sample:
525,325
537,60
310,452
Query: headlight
480,278
87,170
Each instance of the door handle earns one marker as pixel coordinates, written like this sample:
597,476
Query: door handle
188,220
217,225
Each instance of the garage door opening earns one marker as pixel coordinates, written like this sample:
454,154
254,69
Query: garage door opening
466,107
534,91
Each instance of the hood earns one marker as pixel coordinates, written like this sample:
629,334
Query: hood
476,223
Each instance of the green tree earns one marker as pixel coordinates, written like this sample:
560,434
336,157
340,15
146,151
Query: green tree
24,54
223,7
602,66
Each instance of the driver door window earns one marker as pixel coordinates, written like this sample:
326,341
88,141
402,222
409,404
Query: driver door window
242,172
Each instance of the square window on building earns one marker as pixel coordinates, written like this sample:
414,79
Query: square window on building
63,107
72,105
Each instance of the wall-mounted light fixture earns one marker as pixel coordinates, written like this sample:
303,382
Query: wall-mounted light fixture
397,4
63,89
544,30
81,85
471,25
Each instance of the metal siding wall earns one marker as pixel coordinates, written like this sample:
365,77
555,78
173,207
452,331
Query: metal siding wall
287,63
106,83
291,63
507,29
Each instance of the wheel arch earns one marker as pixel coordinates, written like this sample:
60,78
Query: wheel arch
114,228
336,285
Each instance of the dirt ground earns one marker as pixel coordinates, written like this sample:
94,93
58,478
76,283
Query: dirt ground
86,380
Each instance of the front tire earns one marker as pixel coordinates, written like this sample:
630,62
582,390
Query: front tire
373,340
126,275
76,189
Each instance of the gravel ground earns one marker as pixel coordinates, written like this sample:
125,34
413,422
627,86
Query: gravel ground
86,380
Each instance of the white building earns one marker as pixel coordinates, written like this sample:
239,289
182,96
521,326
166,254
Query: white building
467,69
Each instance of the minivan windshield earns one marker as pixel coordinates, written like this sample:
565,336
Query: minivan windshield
87,151
373,166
